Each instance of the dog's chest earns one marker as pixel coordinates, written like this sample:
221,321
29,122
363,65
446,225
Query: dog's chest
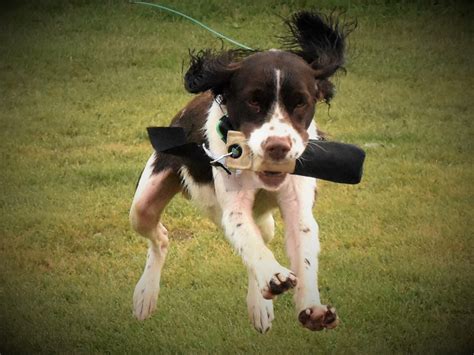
205,198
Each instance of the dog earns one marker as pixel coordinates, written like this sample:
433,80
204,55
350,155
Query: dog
270,96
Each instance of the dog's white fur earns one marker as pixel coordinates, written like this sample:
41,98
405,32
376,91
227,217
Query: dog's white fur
245,215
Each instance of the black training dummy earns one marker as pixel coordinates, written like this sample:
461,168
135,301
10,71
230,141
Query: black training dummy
332,161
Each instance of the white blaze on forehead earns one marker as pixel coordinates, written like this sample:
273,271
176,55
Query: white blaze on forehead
278,85
276,126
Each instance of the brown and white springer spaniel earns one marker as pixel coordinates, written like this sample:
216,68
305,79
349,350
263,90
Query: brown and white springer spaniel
271,97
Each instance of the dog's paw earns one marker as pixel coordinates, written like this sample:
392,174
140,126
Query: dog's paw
280,281
319,317
261,314
145,296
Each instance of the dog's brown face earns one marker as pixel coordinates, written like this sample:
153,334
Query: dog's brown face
271,96
271,99
266,80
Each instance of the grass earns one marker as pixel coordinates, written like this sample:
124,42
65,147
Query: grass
80,81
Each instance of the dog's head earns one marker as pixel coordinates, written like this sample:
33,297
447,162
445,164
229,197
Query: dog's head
271,96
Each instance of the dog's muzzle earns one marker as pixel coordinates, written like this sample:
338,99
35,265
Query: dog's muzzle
242,157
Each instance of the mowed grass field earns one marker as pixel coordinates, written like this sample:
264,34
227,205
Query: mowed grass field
79,83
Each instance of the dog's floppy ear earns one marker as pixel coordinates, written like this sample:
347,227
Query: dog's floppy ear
209,70
321,41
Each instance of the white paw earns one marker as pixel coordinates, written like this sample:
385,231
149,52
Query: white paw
274,279
260,310
261,314
146,294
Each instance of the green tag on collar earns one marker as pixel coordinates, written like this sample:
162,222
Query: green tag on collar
219,128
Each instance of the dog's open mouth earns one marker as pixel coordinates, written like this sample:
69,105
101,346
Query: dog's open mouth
272,178
272,173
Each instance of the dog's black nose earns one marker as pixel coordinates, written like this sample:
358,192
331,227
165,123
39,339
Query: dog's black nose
276,148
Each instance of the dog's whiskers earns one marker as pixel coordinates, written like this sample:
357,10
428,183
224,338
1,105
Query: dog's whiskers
315,144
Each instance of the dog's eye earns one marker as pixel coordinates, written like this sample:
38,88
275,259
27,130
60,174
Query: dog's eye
296,101
300,102
255,104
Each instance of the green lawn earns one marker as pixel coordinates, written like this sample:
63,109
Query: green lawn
79,82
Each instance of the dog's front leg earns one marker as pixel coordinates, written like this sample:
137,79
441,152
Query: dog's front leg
302,243
244,235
